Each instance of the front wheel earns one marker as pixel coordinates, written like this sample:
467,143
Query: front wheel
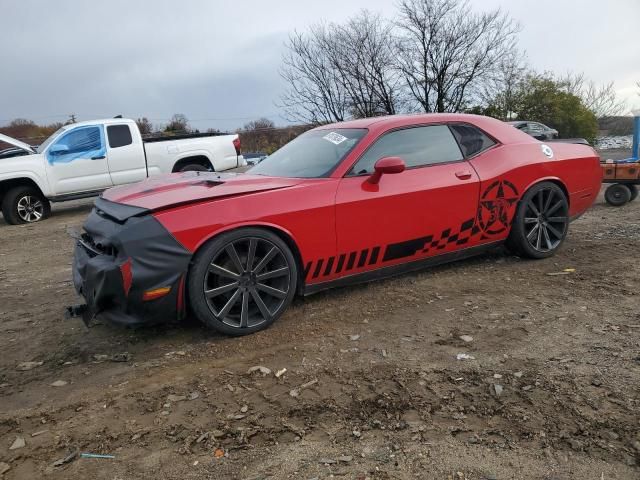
541,222
25,204
242,281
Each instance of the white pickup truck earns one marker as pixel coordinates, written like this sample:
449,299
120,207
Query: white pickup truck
83,159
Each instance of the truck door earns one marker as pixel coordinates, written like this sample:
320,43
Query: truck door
126,154
76,162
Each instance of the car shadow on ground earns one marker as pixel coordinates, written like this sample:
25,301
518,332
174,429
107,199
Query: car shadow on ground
190,331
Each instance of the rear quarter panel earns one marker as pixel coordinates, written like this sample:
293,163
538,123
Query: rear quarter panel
575,167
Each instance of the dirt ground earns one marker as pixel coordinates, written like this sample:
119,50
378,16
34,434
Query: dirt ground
372,389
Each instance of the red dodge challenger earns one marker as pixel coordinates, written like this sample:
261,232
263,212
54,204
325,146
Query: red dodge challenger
342,203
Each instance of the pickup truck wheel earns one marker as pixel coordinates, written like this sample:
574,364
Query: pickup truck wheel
242,281
617,194
194,167
25,205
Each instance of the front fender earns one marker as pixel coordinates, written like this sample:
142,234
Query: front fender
30,167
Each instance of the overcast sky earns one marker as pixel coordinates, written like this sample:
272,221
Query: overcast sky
217,61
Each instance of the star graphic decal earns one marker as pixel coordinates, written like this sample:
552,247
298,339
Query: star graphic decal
495,207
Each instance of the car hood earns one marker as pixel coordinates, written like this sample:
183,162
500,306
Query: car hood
165,191
17,143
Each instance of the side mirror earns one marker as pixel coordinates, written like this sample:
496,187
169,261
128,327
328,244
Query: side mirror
58,149
387,165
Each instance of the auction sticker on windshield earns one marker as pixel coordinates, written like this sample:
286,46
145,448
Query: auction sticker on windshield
335,138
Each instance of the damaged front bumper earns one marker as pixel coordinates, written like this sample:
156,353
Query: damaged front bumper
128,267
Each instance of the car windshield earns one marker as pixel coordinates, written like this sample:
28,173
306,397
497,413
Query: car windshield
313,154
48,141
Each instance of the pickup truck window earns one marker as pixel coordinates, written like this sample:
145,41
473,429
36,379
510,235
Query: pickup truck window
82,142
314,154
119,136
43,146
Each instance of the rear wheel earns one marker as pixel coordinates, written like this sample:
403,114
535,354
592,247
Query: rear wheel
541,222
617,194
634,191
242,281
25,204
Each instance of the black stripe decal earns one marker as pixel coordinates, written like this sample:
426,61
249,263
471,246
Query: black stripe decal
467,225
306,270
316,272
352,259
363,257
327,270
405,249
340,263
374,255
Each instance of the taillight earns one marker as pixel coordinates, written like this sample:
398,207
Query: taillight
236,143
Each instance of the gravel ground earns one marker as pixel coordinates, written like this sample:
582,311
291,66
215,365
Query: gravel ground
547,387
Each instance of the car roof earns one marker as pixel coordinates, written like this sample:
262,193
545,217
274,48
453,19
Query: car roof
391,121
496,128
105,121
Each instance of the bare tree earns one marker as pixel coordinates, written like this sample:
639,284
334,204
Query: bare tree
498,95
144,125
178,124
447,50
364,55
315,93
602,100
338,71
258,125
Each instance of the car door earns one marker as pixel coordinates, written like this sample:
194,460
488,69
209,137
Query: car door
76,162
428,209
126,155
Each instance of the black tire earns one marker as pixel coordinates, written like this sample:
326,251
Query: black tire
194,167
617,194
25,204
541,222
220,295
634,191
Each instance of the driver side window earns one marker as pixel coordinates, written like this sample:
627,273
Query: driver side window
417,146
81,142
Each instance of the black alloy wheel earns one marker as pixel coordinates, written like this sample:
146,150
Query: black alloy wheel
541,221
243,281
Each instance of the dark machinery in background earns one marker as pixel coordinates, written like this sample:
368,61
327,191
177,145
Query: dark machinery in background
624,175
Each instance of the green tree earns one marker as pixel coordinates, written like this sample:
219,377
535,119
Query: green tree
543,99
